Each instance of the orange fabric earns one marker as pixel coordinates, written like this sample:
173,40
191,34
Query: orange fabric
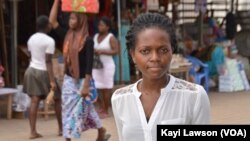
85,6
73,43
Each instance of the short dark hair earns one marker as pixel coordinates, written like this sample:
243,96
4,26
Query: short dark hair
106,20
42,22
148,20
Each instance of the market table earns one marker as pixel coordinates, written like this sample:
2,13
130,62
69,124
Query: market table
9,93
181,69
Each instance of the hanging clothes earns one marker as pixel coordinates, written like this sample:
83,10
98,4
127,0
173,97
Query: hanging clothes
231,25
124,70
216,61
105,8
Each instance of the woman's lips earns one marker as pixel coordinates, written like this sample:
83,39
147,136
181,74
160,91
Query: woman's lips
155,68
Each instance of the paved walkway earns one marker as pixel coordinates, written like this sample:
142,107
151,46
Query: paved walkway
227,108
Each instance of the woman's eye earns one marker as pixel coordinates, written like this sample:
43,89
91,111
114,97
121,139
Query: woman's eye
164,50
144,51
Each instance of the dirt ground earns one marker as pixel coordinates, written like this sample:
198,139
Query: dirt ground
226,108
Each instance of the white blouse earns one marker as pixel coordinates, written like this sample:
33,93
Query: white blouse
180,102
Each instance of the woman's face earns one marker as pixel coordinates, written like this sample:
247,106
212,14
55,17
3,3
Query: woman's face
73,21
152,53
102,27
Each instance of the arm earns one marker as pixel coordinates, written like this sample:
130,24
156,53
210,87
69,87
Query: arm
89,63
114,47
50,50
50,70
53,14
28,51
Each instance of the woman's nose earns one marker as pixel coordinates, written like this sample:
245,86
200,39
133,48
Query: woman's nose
155,56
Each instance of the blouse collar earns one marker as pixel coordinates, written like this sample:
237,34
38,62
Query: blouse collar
163,90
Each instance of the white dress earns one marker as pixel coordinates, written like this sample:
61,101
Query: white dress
180,102
104,78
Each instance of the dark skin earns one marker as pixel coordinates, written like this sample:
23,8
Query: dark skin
106,93
152,55
35,100
73,24
103,32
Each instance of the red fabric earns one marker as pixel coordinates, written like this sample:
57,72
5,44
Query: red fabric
85,6
107,9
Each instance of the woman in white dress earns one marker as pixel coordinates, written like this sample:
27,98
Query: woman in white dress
105,45
158,98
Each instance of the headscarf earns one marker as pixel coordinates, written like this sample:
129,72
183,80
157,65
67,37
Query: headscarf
73,43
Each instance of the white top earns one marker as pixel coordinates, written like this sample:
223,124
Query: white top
40,44
180,102
104,45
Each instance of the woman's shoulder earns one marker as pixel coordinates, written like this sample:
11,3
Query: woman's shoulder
111,35
184,85
95,35
123,91
189,90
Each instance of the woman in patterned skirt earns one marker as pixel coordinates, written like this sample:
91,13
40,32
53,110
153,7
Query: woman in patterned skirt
77,115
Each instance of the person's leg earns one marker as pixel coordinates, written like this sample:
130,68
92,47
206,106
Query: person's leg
109,97
58,110
94,118
33,116
101,134
106,99
100,100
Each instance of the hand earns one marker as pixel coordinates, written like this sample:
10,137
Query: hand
53,85
85,92
99,52
50,97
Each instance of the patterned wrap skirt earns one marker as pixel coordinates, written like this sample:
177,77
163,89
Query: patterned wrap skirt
77,115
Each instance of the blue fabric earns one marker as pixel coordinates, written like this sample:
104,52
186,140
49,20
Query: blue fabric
217,59
93,92
125,69
77,114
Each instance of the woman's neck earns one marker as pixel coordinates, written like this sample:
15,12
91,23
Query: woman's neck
103,33
149,85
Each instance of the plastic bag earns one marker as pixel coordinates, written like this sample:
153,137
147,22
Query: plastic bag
21,101
97,63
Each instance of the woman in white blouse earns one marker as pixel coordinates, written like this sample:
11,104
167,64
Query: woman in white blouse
158,98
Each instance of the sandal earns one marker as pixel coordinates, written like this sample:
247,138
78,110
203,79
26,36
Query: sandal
107,137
